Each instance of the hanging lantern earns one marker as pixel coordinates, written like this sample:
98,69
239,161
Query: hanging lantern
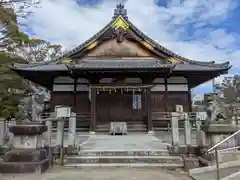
103,89
97,91
121,91
139,90
115,90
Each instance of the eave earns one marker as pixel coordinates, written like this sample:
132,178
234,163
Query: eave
44,74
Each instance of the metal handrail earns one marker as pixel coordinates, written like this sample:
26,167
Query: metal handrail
223,141
215,148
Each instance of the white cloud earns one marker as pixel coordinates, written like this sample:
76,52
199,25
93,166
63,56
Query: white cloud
64,22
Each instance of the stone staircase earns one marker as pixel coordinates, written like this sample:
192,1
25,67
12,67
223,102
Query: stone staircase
135,150
124,158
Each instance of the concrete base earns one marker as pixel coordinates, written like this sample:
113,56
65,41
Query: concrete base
190,163
25,155
24,161
209,172
24,167
216,132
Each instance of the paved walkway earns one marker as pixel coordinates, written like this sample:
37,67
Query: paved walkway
102,174
127,142
164,136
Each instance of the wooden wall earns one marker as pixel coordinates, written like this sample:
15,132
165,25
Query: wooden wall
117,106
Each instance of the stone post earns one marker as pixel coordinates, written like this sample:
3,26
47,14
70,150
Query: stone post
2,131
72,130
200,135
187,130
11,123
175,131
59,131
49,132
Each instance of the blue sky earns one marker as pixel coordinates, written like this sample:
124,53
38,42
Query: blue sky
204,30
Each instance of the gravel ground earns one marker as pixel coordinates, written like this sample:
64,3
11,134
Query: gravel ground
59,173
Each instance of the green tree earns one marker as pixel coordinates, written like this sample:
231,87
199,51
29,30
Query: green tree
10,11
12,87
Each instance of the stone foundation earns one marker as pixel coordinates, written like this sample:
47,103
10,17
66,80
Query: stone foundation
28,154
22,161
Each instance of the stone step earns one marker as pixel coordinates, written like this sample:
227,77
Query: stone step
129,129
123,159
130,165
123,153
129,126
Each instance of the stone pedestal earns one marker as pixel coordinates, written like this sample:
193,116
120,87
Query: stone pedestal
118,128
217,132
28,153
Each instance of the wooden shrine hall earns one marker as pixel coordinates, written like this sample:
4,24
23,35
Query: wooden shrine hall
120,74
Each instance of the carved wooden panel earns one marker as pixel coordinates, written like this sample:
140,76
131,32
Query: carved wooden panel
113,49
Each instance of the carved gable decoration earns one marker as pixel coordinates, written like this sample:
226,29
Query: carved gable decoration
112,48
120,39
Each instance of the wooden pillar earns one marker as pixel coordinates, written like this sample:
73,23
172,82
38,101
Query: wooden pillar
166,94
189,99
149,110
93,110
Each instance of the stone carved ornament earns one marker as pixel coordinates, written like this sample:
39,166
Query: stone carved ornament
213,108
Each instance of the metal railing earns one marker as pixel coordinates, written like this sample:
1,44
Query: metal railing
216,151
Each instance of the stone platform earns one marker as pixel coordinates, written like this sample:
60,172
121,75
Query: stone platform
128,142
138,150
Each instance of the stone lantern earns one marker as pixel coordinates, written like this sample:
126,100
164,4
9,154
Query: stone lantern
28,153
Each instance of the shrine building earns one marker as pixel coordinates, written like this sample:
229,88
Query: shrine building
120,74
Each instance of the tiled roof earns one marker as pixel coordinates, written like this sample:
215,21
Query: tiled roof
114,64
97,64
122,64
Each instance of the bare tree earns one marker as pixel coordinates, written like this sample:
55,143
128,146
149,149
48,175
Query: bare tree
230,89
